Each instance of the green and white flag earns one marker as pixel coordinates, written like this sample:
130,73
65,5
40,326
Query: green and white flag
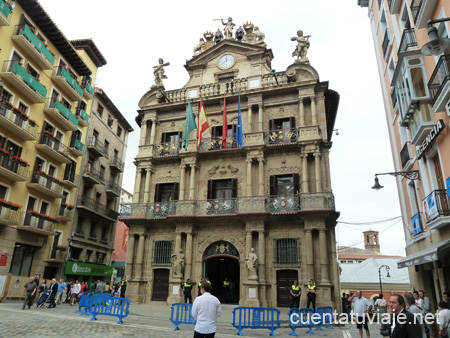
190,125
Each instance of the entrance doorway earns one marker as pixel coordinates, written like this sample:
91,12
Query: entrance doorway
216,269
160,284
285,279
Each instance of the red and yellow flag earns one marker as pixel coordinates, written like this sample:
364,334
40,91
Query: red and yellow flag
203,124
224,124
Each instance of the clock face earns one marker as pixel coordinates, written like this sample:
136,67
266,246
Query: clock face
226,61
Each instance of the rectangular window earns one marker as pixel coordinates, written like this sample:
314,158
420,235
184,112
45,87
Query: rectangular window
172,137
100,110
222,189
119,131
79,229
88,255
165,192
93,232
162,252
287,252
22,260
284,185
218,131
110,121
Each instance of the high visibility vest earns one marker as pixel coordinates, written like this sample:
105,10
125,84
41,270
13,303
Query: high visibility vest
311,287
226,283
199,284
186,285
295,289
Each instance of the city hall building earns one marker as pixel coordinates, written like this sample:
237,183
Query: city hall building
260,212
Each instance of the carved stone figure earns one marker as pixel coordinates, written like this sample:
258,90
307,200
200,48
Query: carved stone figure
200,47
302,45
251,264
209,40
159,73
178,264
239,35
218,36
228,30
249,35
259,37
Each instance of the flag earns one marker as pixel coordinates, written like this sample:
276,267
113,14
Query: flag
203,123
239,136
224,124
190,125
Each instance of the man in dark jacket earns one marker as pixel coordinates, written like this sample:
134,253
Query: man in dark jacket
404,325
53,289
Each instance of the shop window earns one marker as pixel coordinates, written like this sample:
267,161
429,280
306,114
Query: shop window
22,260
162,252
287,252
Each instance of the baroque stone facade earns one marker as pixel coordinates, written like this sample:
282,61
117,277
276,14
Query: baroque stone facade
199,212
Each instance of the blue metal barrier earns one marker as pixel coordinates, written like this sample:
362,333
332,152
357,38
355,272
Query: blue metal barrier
181,314
256,318
110,306
325,316
85,303
300,318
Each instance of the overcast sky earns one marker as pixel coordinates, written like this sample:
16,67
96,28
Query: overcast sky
132,35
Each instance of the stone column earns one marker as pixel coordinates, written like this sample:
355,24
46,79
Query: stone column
137,186
318,173
305,178
260,117
139,258
323,256
261,177
313,110
192,183
188,255
249,176
178,242
261,256
248,243
309,255
326,165
143,133
130,258
153,132
301,109
182,182
249,118
147,185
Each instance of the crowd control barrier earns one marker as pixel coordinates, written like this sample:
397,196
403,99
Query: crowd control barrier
324,316
300,318
256,318
110,306
181,314
85,303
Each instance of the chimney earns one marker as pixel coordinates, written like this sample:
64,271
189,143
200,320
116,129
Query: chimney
371,241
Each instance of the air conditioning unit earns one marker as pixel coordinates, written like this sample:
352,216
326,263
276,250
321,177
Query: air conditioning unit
447,108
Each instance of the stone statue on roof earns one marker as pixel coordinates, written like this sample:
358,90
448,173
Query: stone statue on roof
302,46
228,30
159,73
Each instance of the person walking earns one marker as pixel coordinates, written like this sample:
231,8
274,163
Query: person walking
61,288
411,307
53,291
361,307
295,292
69,292
187,288
29,292
206,309
403,324
311,294
76,289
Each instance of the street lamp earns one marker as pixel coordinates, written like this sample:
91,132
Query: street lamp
411,175
387,275
436,45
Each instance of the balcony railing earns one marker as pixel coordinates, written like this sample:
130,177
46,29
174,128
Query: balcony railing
37,222
117,162
94,173
82,114
405,154
9,216
77,144
415,9
17,119
64,111
386,41
4,9
408,40
71,177
436,205
7,162
97,208
216,143
62,71
114,187
166,149
440,77
46,181
13,66
53,143
235,206
281,136
64,211
26,31
99,147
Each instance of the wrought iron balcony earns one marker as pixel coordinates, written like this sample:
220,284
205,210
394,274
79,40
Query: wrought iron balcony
46,184
216,143
439,84
12,169
65,212
53,147
88,89
117,163
83,117
68,83
39,224
386,41
97,208
166,149
408,40
436,205
71,179
76,147
62,115
227,206
93,176
283,203
4,13
405,154
112,188
24,129
416,5
97,147
281,136
9,216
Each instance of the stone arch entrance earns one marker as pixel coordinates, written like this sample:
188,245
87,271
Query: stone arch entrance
221,259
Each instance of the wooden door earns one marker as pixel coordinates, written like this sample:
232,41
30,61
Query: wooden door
160,285
439,176
285,279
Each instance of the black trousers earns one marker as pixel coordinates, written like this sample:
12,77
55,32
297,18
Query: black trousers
295,302
52,300
203,335
313,301
188,298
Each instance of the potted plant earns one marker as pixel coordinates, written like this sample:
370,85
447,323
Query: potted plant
32,123
8,105
61,247
21,161
9,204
4,151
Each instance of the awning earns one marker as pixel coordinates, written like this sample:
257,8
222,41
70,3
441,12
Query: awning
427,255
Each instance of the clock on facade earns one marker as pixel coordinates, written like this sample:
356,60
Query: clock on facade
226,61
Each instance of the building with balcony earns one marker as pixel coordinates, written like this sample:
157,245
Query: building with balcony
43,127
214,208
416,92
96,209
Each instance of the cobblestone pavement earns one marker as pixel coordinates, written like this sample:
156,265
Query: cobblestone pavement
145,320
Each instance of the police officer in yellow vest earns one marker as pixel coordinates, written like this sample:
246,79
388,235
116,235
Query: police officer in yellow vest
311,295
199,287
295,291
187,287
227,287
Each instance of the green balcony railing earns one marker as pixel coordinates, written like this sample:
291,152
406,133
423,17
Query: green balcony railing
29,79
4,9
66,112
89,88
70,79
79,145
26,31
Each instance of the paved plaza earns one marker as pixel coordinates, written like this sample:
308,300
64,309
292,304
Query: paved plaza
145,320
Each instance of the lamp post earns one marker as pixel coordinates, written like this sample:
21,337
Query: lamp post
436,45
387,275
411,175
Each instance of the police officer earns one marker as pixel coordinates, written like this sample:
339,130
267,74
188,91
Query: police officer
311,295
187,287
199,287
227,286
295,291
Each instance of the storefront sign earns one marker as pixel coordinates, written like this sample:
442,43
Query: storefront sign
438,127
85,269
416,225
430,209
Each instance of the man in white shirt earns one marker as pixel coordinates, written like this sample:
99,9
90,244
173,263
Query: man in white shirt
361,307
206,309
443,316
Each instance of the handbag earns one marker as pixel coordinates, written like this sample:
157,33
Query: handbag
444,332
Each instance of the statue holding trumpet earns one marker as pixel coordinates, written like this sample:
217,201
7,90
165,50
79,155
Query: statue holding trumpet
228,30
302,45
